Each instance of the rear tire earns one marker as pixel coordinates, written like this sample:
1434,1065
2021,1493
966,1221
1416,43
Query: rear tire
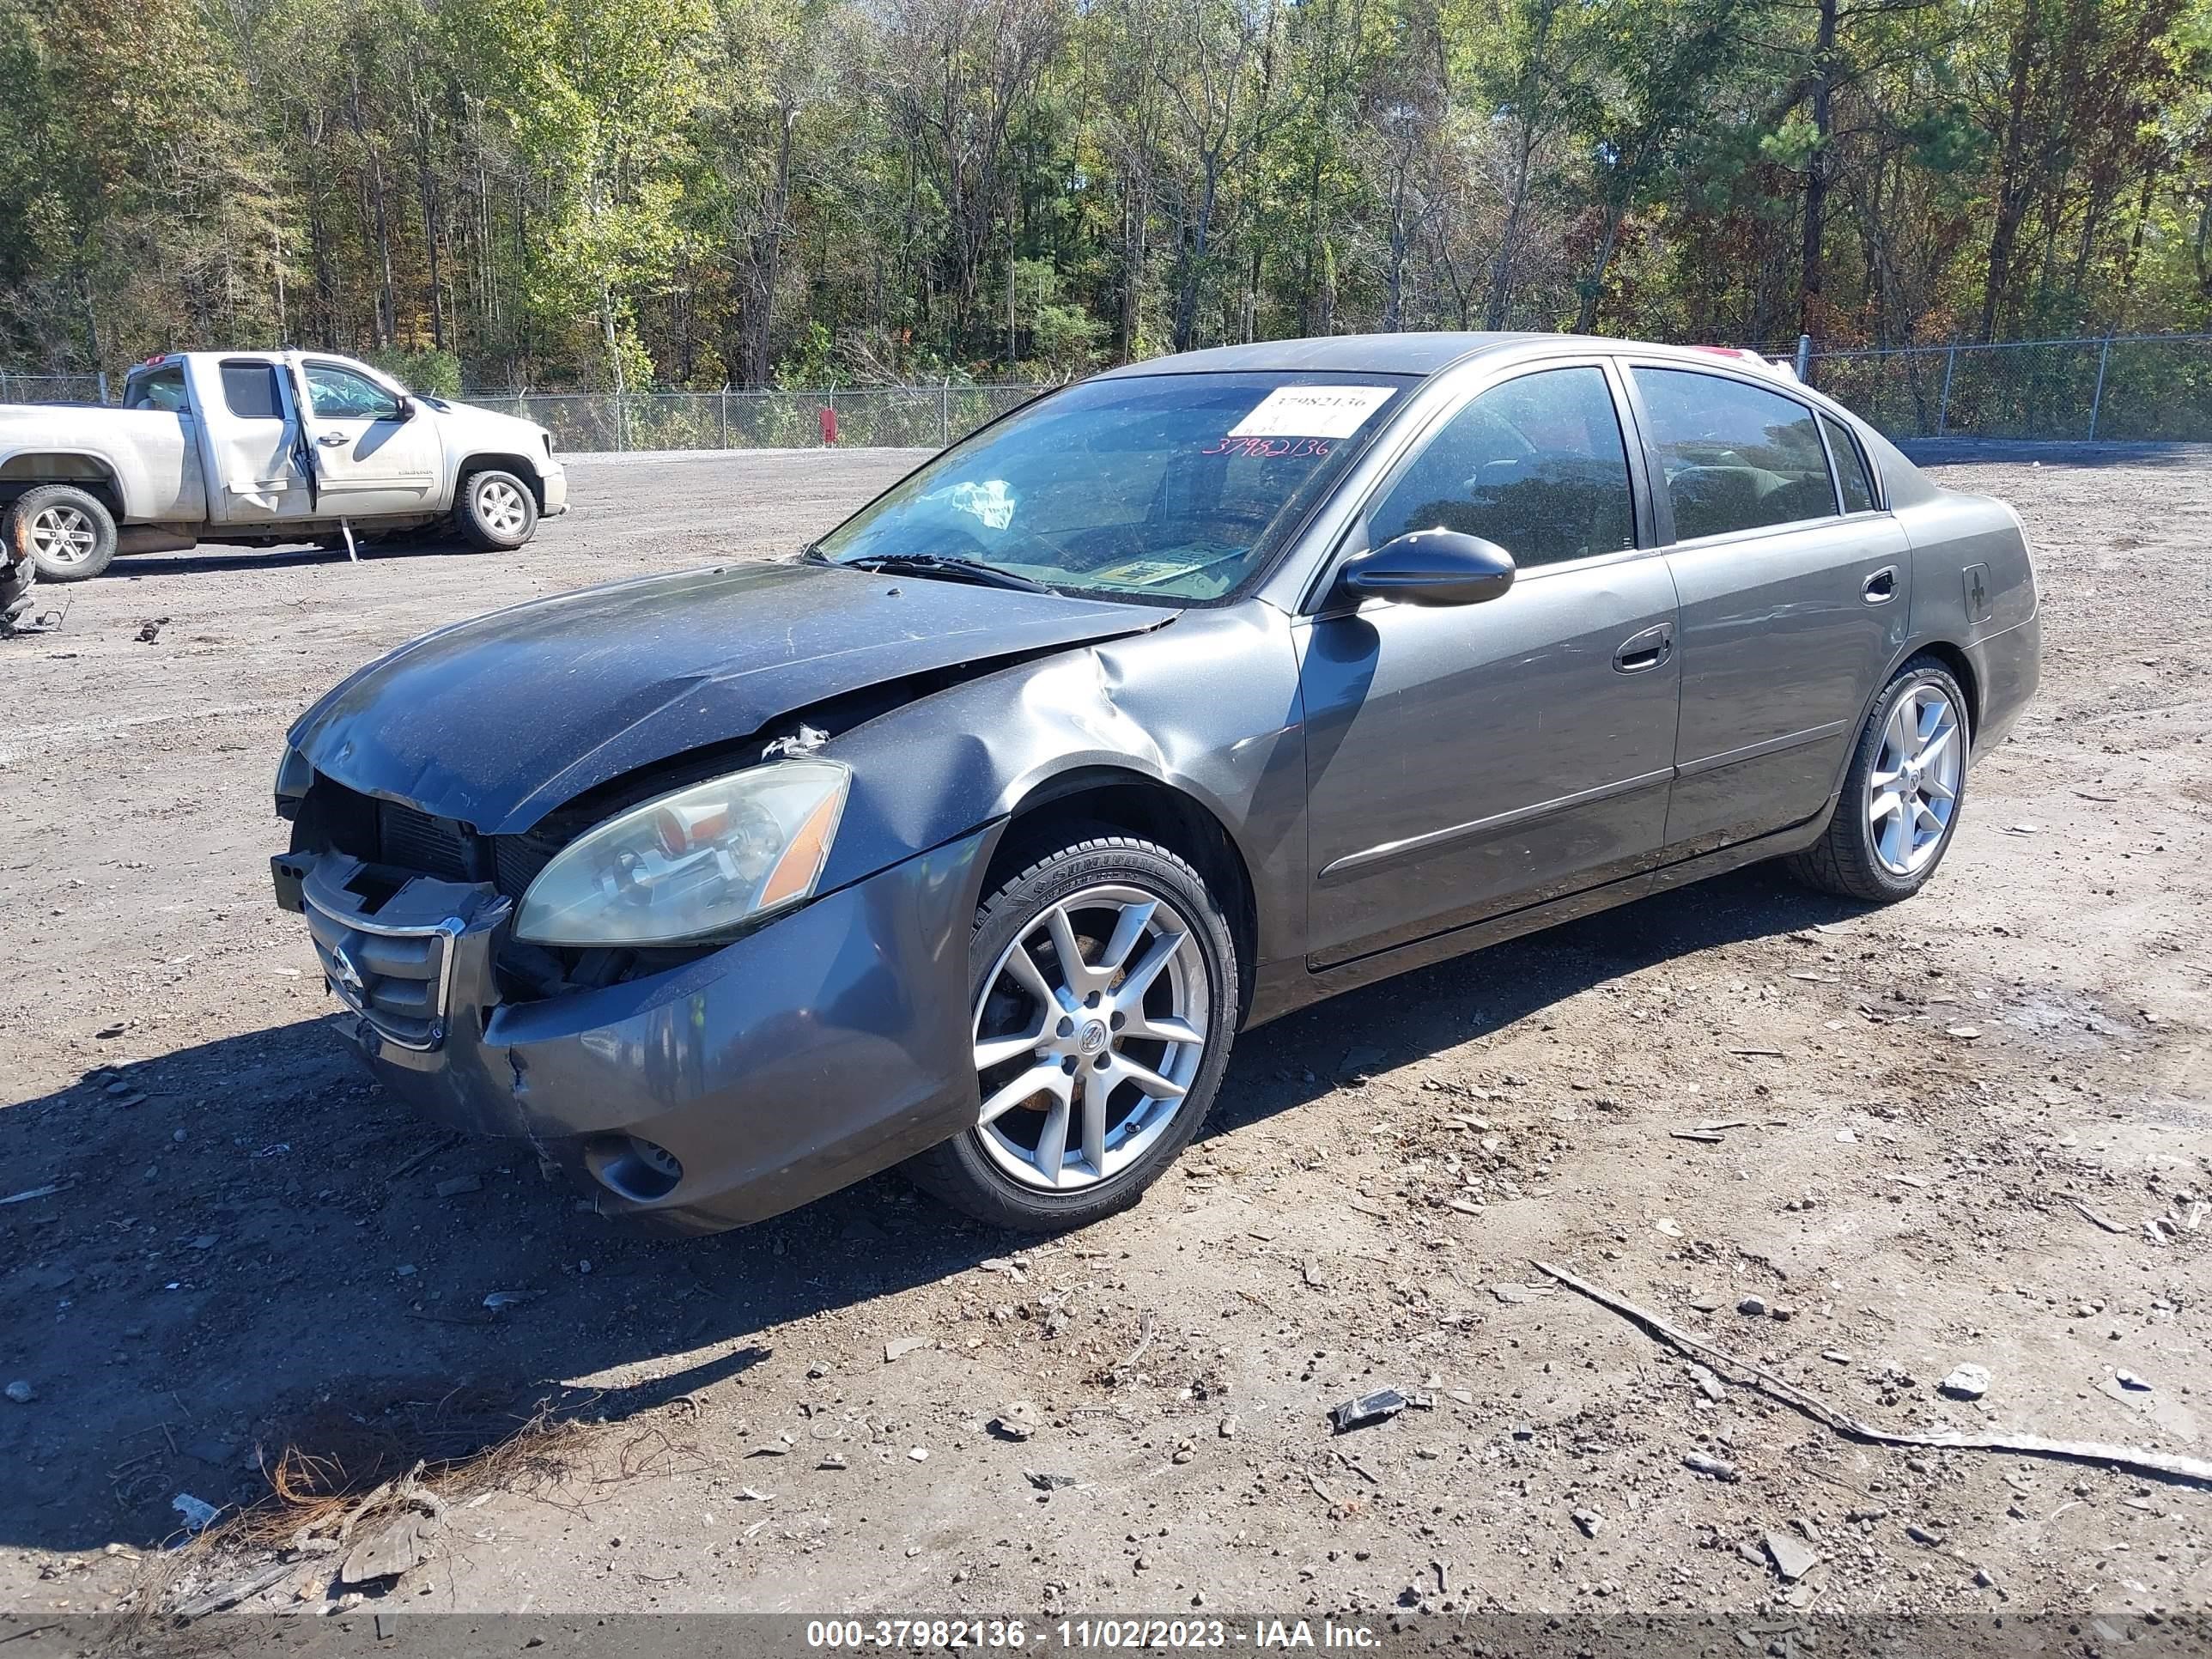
1902,793
66,534
494,511
1143,1023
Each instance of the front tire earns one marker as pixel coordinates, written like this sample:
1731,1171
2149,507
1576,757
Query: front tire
494,511
66,534
1901,797
1103,1000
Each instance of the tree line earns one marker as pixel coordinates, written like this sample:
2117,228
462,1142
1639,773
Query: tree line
619,194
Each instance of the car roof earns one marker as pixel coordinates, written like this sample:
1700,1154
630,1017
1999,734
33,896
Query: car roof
1356,354
1420,354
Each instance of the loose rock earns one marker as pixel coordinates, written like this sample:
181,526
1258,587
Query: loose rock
1793,1558
1967,1383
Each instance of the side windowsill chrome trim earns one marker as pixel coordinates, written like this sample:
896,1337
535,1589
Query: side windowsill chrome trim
1758,750
1413,845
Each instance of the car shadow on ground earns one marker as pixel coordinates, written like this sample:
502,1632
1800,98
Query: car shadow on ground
252,1247
202,559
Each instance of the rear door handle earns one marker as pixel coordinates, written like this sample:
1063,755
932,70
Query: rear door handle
1880,587
1646,650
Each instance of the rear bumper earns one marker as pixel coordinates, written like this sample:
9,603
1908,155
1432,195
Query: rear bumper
829,1045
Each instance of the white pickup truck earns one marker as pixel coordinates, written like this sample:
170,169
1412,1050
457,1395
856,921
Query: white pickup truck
256,449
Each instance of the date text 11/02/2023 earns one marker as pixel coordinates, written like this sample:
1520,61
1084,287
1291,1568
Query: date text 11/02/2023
1086,1634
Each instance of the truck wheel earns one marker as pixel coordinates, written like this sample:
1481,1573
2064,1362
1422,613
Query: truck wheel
65,533
496,511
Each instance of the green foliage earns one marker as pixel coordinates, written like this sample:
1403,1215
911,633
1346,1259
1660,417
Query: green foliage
644,193
427,370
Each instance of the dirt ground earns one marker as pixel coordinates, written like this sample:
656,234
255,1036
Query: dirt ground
247,1247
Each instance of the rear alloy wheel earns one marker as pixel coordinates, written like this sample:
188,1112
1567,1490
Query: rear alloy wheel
1901,797
496,512
67,533
1104,1003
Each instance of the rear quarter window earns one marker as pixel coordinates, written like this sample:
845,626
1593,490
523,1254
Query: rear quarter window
1735,457
1851,474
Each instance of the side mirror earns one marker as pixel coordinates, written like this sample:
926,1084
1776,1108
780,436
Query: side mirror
1432,567
406,407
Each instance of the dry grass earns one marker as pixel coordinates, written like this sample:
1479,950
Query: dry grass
342,1475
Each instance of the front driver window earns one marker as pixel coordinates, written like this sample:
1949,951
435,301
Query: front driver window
1536,466
339,394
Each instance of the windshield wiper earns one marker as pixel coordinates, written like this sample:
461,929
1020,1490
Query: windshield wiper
944,564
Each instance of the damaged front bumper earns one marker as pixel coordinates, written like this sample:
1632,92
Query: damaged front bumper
830,1044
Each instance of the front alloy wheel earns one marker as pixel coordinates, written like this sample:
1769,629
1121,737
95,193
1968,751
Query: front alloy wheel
1104,1003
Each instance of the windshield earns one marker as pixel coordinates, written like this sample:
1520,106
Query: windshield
1175,487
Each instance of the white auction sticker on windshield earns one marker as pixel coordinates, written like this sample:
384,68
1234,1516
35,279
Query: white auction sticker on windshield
1312,411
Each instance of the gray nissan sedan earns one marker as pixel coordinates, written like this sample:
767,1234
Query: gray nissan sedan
1171,702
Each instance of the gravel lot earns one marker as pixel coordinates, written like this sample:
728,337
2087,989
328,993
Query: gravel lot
249,1248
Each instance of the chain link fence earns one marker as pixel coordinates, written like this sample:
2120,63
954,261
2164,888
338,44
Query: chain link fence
2126,387
53,388
918,417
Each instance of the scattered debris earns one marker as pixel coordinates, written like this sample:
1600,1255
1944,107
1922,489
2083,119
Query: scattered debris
1589,1520
1228,1428
230,1595
1710,1137
1751,1305
2109,1227
2189,1468
399,1546
899,1347
1719,1468
1966,1382
26,1196
1044,1480
919,1454
198,1515
1667,1225
1963,1033
1124,1371
499,1300
2125,1379
1310,1270
21,1392
1016,1422
1367,1410
1793,1558
150,629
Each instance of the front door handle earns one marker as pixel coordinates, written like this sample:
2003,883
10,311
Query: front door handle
1880,587
1646,650
331,440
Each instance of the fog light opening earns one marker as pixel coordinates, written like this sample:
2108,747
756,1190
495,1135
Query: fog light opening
634,1167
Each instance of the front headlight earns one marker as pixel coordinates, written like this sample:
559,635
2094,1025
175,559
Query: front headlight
702,863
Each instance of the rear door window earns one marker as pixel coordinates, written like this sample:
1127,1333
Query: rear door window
249,391
1536,466
1735,457
1851,474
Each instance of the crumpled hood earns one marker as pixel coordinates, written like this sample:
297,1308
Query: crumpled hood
497,721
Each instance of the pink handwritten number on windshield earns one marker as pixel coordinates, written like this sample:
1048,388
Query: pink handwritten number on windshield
1270,449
